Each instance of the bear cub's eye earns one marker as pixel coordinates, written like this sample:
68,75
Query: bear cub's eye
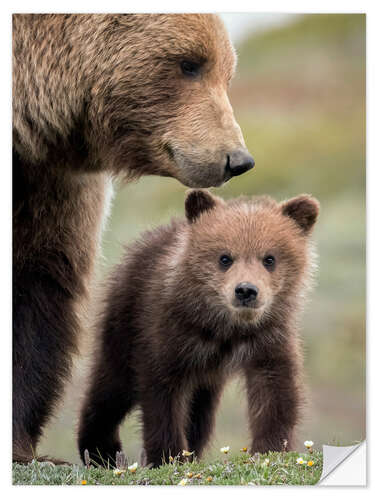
269,261
226,261
190,68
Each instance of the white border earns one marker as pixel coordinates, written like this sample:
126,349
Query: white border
5,214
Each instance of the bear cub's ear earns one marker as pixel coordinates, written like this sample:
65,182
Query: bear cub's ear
197,202
303,209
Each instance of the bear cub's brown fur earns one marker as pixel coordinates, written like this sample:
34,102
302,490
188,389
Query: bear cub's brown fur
193,303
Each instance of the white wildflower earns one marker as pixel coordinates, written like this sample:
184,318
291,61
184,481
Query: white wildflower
133,467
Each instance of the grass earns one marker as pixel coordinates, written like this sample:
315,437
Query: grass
269,469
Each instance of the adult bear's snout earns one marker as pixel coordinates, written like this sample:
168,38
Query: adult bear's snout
239,162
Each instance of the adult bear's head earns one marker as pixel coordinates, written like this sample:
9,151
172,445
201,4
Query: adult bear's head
135,93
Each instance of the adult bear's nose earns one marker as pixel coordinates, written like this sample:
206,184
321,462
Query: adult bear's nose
246,292
239,162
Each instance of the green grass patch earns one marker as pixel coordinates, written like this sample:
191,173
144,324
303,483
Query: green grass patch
268,469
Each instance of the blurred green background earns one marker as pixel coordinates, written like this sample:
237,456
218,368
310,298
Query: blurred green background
299,96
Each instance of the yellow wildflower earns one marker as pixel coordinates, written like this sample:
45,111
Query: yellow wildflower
209,479
244,449
186,453
183,482
118,472
310,463
197,476
300,461
189,475
83,482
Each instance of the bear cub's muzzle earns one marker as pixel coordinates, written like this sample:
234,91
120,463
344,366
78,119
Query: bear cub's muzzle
246,295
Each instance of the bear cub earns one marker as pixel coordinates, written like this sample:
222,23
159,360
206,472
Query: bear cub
192,304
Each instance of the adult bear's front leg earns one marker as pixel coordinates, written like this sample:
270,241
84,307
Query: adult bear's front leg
44,329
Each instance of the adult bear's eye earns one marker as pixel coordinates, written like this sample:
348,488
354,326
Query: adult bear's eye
269,261
190,68
225,261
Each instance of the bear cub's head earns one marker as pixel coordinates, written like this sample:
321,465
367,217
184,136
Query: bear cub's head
249,258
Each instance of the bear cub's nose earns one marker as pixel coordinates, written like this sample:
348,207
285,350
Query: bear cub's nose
246,292
239,162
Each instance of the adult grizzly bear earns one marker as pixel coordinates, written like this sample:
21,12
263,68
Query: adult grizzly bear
95,95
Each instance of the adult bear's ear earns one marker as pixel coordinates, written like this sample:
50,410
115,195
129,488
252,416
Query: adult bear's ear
197,202
303,209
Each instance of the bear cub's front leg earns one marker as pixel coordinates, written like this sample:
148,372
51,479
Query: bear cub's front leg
274,391
164,422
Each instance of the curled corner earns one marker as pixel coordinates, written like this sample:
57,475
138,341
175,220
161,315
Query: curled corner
344,465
